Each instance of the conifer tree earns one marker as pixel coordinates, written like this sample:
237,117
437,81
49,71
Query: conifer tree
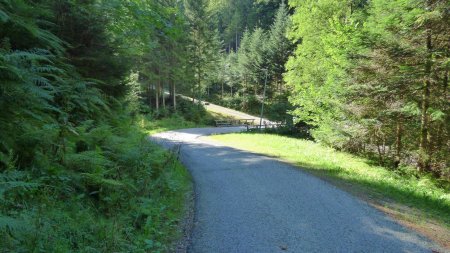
279,47
201,41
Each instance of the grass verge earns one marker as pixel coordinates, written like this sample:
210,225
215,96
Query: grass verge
423,203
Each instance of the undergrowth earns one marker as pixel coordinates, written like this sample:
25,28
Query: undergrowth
188,115
171,122
112,191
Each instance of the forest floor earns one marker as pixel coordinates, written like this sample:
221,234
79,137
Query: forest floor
416,203
245,202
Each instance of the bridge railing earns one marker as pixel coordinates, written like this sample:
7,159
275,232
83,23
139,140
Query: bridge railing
250,124
235,122
267,125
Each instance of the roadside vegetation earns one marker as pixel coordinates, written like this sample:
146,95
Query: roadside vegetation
427,196
188,115
114,191
77,171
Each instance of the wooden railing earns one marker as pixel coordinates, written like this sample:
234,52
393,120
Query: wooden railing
249,123
267,125
235,122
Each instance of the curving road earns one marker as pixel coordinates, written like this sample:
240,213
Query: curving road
251,203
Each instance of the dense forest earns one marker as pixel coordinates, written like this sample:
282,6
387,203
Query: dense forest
369,77
372,77
81,81
77,171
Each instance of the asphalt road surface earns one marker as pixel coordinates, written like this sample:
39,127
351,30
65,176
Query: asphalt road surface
251,203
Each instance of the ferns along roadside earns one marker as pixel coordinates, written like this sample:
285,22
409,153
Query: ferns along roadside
76,172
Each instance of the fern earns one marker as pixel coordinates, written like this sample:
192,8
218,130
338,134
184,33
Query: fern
3,16
87,161
12,225
13,180
34,55
8,160
25,17
72,168
99,179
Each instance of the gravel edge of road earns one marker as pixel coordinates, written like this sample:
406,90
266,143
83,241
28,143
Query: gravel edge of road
186,223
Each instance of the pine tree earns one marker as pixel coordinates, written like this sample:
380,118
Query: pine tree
372,77
201,42
418,29
279,47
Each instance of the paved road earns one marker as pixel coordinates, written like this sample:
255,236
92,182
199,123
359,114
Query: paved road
252,203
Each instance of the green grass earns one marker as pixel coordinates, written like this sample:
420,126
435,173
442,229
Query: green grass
425,197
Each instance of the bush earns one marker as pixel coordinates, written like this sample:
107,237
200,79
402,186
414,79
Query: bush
194,112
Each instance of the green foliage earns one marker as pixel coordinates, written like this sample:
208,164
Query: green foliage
114,181
235,16
188,115
276,108
371,77
76,172
279,46
261,53
320,65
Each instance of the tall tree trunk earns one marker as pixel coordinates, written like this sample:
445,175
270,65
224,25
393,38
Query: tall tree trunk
199,87
193,92
245,85
149,94
380,153
157,90
440,140
157,96
163,97
398,142
171,91
424,159
174,96
236,40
